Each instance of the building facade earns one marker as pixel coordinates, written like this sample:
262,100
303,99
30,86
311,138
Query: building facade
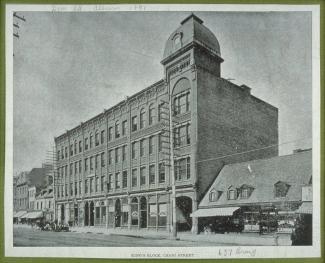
21,192
114,169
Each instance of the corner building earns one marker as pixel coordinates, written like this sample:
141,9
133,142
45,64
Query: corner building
114,169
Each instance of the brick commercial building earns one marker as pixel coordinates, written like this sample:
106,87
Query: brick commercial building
114,169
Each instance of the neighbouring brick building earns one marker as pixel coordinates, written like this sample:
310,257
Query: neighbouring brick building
113,170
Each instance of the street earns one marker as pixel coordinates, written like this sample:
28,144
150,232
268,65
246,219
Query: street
25,236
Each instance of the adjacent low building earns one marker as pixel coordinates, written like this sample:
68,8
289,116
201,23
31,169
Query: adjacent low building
272,191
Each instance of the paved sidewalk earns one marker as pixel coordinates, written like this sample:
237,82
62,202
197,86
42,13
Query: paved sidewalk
242,239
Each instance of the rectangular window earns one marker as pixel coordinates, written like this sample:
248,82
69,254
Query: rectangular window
134,178
96,161
188,168
80,167
162,213
142,148
79,187
91,141
102,178
142,119
161,173
124,152
161,111
134,123
71,189
58,156
142,175
96,138
124,179
102,159
86,186
86,164
152,214
152,174
181,169
110,157
75,188
117,155
97,184
75,167
151,145
102,136
124,127
71,149
80,146
110,182
110,133
117,180
117,130
151,115
86,144
71,169
134,150
181,104
160,141
91,164
66,152
91,185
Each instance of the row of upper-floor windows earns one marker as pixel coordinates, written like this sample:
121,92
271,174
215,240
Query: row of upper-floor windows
139,177
181,104
21,190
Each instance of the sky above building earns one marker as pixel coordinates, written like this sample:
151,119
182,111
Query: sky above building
69,67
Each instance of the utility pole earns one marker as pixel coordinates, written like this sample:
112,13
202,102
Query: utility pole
171,154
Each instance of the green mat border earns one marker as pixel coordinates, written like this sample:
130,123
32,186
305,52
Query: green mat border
2,124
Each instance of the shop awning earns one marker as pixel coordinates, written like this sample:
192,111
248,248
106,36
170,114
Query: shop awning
305,208
220,211
19,214
33,215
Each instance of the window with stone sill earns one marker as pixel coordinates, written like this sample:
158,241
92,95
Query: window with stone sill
142,118
96,138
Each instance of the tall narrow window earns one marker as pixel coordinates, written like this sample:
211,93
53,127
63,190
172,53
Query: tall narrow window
142,148
160,142
134,178
117,130
71,149
110,182
86,186
91,185
91,141
118,180
75,167
152,174
142,175
97,138
75,147
124,127
80,167
161,112
134,123
110,133
110,157
102,136
96,161
86,144
91,163
117,155
102,178
124,179
188,168
151,114
151,145
123,152
80,146
97,185
162,173
134,150
102,159
142,118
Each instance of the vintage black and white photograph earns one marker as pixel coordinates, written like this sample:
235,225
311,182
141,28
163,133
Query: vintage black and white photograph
162,132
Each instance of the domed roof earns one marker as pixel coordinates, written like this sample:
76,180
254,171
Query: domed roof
191,30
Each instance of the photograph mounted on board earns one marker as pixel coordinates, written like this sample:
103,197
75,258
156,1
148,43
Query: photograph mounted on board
186,131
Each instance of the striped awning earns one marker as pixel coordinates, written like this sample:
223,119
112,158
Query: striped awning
305,208
209,212
19,214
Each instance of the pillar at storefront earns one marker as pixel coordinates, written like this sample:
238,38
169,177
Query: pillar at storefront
129,214
195,220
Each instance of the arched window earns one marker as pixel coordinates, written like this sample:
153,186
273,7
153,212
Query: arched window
142,118
181,96
214,195
177,41
151,114
117,129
